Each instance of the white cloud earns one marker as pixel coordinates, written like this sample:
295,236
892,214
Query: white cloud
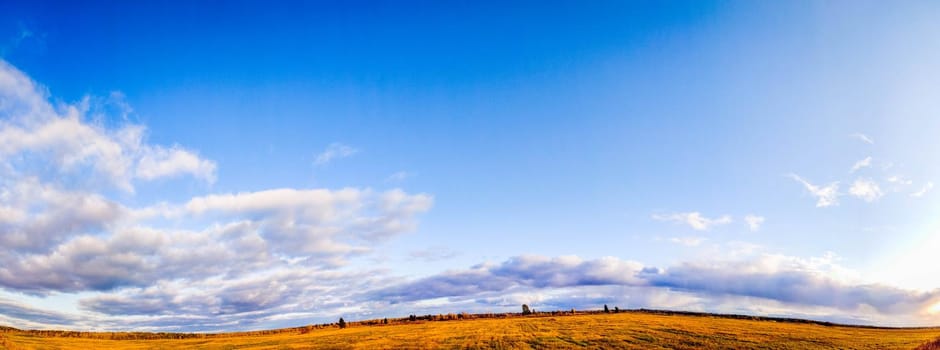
34,133
864,138
334,151
899,180
435,253
866,189
864,163
694,220
213,261
754,222
687,241
37,215
923,190
825,196
399,176
318,221
160,162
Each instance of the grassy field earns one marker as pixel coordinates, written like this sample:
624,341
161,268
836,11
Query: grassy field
638,330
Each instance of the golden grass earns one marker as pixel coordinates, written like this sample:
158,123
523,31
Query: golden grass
629,330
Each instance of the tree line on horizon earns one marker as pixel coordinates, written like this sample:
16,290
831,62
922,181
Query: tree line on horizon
341,323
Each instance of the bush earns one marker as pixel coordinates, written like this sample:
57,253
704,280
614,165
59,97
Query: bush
342,323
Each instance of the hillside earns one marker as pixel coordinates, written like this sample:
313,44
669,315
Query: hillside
636,329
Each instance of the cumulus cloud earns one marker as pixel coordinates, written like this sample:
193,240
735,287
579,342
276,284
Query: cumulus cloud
864,163
695,220
34,134
249,231
160,162
313,221
866,189
36,216
334,151
251,292
825,196
923,190
754,222
213,261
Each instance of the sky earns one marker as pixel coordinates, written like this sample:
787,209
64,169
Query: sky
220,166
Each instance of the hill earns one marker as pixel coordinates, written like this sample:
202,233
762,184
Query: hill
634,329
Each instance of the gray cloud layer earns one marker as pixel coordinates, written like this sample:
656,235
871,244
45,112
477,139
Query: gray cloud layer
783,279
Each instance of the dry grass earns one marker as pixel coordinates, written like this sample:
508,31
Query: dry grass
630,330
931,345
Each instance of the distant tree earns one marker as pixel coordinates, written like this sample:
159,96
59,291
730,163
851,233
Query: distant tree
412,318
616,310
385,321
525,309
606,310
342,323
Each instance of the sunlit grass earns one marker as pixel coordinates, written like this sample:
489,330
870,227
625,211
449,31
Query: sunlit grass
630,330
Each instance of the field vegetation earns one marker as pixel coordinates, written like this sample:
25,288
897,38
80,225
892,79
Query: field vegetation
637,329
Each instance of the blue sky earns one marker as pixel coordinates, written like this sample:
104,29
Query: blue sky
166,166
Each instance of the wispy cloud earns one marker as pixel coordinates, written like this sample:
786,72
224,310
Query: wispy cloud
16,40
864,163
923,190
695,220
435,253
399,176
754,222
826,196
866,189
899,180
864,138
687,241
334,151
